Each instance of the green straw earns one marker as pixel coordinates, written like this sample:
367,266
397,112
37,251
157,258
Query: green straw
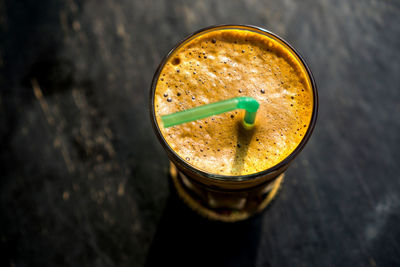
247,103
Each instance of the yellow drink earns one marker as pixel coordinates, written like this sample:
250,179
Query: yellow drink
220,169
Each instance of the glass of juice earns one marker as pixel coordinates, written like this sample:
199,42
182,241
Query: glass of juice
220,169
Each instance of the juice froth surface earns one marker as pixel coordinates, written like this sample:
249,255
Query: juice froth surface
227,63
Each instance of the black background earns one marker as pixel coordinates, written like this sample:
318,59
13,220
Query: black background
84,180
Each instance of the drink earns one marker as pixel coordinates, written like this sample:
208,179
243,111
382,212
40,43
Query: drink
217,154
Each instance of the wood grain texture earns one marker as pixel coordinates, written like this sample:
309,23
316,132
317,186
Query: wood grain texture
84,179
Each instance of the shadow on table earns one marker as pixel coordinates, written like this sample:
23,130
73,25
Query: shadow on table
183,238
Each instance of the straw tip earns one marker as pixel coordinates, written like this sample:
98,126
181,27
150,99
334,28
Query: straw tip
247,126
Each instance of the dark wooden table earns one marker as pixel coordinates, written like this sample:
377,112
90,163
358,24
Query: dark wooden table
84,181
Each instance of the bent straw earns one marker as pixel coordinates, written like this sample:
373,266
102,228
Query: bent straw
247,103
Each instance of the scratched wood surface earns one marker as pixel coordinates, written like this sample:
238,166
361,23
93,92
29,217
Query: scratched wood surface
84,179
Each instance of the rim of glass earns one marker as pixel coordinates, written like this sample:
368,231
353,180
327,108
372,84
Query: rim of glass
234,178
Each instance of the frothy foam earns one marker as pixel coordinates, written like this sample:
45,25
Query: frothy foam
228,63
